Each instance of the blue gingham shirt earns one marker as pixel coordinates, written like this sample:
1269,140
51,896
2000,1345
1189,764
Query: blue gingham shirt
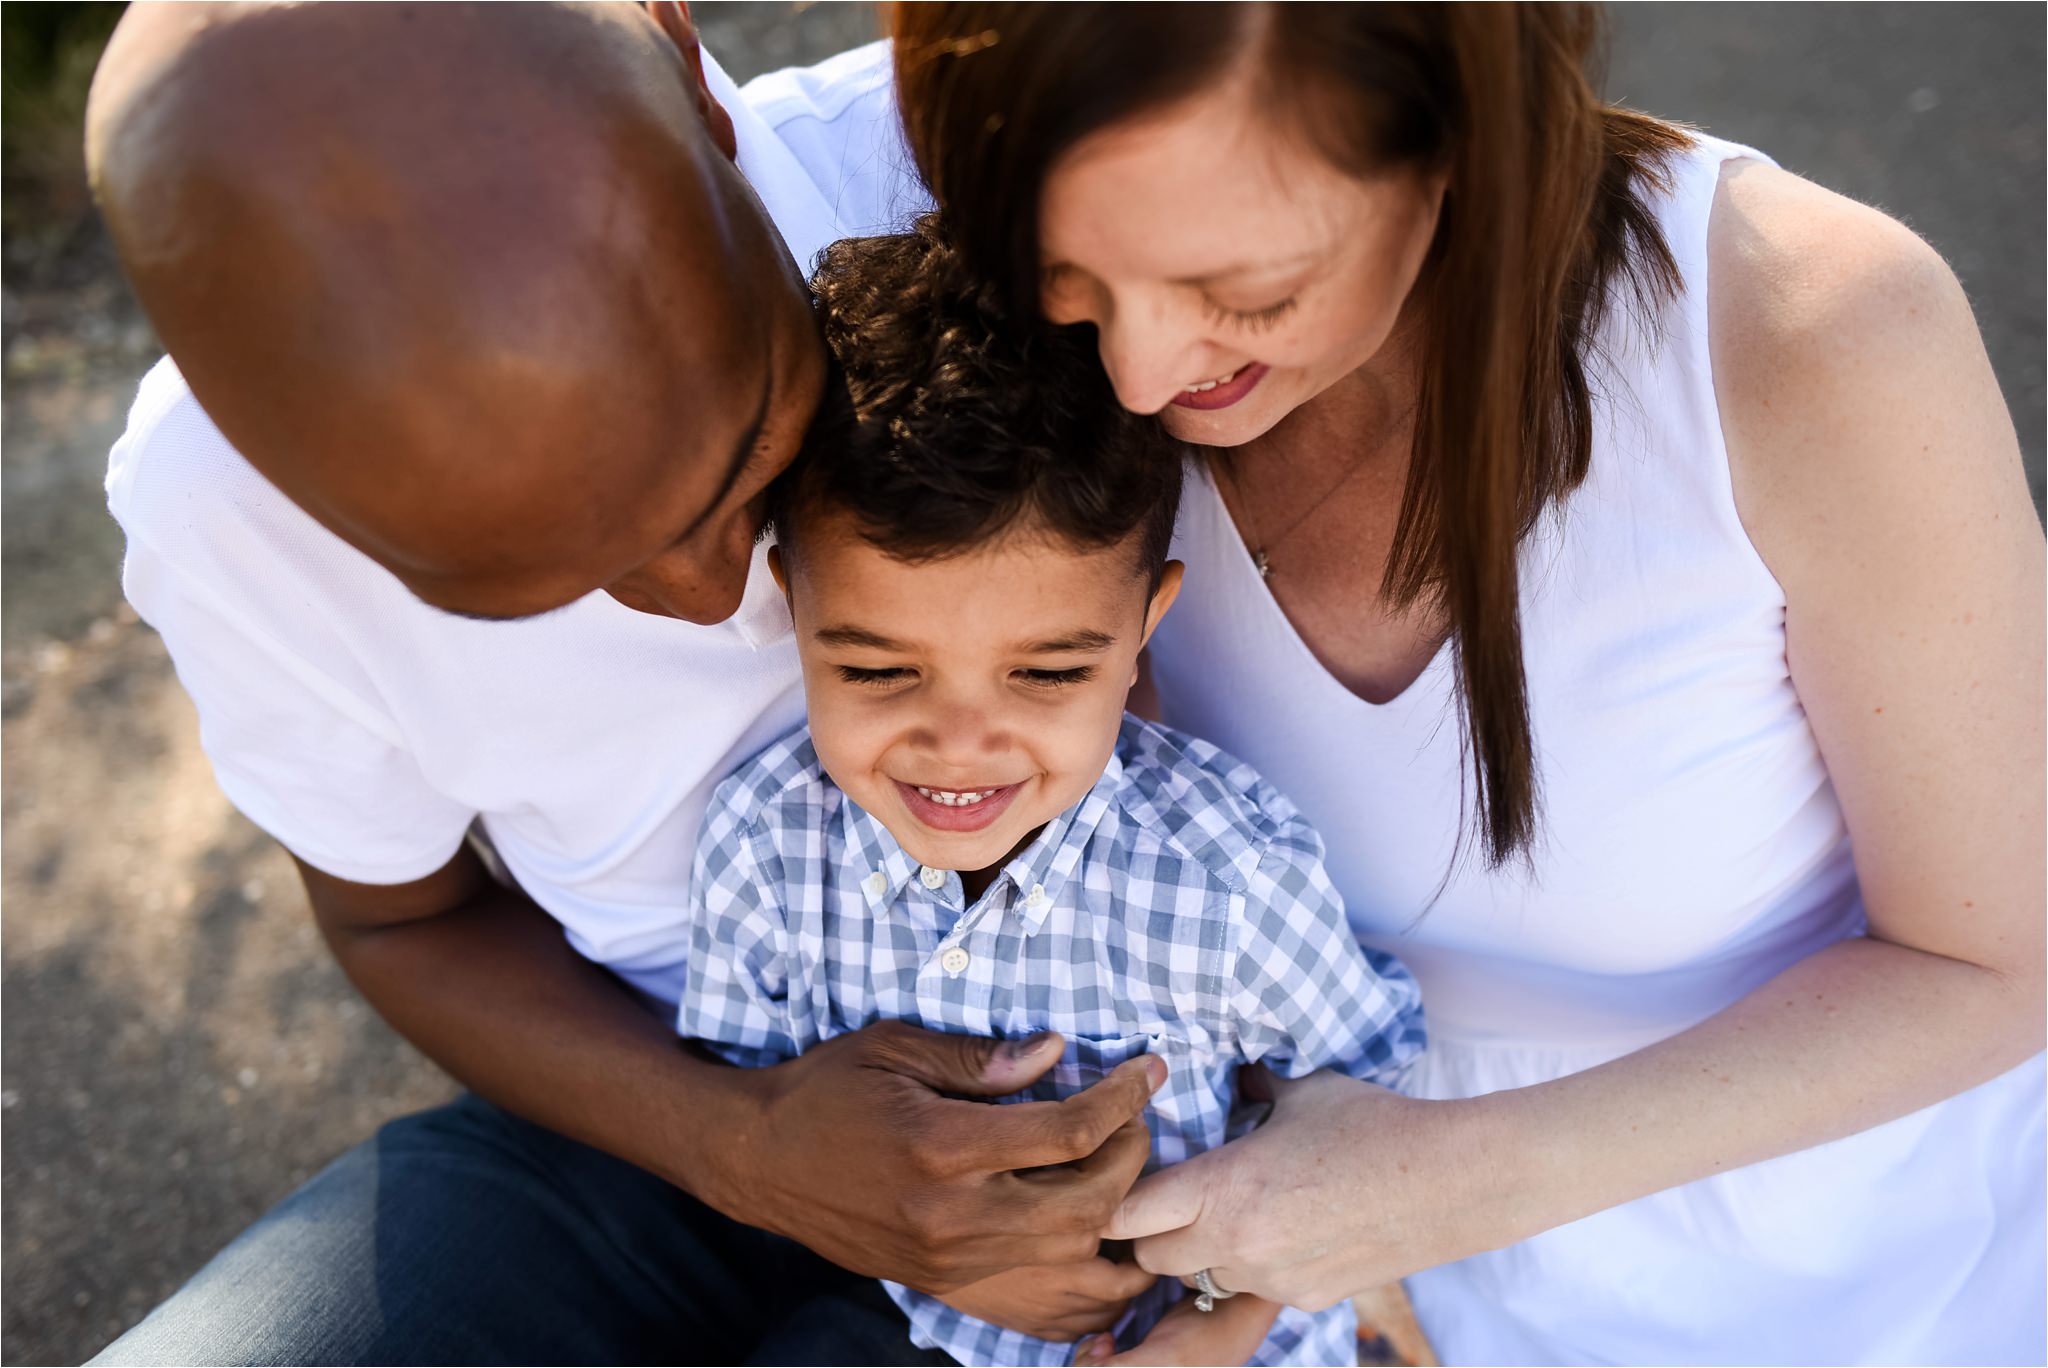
1179,909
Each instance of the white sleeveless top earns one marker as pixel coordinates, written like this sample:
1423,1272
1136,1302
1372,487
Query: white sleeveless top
1691,848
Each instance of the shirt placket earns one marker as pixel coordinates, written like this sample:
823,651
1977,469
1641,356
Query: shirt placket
961,971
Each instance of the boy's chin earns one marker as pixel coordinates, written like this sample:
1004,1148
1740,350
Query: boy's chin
962,856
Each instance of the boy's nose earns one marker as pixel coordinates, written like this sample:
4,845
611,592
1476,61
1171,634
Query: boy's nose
963,735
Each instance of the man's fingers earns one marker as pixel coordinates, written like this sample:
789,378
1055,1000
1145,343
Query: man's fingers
1034,1135
1109,1281
976,1066
1167,1200
1231,1333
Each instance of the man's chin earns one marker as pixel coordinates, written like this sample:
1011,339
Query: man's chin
703,613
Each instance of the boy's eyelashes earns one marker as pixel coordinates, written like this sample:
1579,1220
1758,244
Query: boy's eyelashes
855,675
1044,679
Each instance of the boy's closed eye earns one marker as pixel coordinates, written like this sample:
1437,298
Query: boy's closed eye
897,674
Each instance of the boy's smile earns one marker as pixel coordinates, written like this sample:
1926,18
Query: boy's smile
967,701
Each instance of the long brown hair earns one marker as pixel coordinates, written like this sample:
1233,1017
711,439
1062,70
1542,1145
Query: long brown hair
1544,214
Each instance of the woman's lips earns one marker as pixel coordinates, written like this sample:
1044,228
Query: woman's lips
947,817
1226,393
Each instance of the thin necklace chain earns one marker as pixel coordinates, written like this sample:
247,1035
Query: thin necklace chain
1261,548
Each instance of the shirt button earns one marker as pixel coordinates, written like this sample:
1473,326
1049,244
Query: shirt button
932,878
1037,898
878,883
954,960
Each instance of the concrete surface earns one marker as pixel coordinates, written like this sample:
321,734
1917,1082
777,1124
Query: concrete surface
178,1050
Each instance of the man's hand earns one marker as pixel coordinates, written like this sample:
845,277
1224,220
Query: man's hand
1060,1302
1231,1333
856,1151
851,1149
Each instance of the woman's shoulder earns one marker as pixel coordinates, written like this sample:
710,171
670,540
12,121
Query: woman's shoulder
1801,274
1836,333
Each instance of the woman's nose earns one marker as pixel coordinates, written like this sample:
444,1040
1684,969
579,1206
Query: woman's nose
1150,354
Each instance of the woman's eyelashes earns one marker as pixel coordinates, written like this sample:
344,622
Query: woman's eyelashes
896,674
1251,320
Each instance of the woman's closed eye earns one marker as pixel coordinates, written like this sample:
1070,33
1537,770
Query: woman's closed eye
1252,320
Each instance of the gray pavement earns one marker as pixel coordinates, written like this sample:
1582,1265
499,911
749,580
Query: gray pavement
179,1052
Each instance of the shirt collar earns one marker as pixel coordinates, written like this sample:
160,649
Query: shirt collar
808,224
1036,875
794,201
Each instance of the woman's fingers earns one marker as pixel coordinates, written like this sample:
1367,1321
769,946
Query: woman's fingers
1167,1200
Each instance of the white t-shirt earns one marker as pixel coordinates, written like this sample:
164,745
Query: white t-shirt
365,730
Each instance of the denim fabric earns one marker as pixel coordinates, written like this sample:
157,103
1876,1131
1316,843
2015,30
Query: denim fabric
466,1235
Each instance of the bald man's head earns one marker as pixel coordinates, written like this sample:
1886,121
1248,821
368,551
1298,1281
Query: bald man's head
479,287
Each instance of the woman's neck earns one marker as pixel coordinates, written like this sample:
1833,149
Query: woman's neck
1369,411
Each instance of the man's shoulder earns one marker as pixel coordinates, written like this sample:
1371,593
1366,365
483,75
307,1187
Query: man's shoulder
1203,804
167,429
198,516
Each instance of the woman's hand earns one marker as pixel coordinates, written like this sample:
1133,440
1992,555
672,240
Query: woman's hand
1347,1186
1231,1333
1059,1302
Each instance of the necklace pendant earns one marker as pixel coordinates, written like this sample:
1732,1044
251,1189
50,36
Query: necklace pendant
1265,567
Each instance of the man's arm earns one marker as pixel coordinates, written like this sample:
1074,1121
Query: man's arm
482,981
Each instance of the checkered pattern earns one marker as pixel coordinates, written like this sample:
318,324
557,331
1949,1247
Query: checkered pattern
1179,909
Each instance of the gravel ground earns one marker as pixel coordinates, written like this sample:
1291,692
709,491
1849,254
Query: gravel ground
179,1051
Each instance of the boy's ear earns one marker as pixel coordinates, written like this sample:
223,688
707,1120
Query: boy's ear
1162,599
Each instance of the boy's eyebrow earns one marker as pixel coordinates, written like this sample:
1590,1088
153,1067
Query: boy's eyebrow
1081,639
1086,639
857,636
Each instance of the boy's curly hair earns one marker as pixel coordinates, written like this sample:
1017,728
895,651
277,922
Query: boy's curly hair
944,423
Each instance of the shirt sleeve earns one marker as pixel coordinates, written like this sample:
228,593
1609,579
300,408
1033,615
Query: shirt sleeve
736,989
313,765
1307,996
229,573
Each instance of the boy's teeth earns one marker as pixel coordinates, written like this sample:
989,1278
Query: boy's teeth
952,798
1208,385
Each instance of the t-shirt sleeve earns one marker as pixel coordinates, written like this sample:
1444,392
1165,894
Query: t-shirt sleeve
736,988
1307,996
315,766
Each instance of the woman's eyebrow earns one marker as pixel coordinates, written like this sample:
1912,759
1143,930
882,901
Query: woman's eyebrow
1251,268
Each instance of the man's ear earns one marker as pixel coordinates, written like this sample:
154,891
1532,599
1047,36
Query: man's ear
776,569
674,19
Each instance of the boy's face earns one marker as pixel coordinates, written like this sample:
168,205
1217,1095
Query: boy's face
965,702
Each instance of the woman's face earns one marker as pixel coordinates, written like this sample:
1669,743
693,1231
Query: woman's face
1232,271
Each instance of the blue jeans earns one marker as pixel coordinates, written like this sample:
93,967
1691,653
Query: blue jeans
466,1235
